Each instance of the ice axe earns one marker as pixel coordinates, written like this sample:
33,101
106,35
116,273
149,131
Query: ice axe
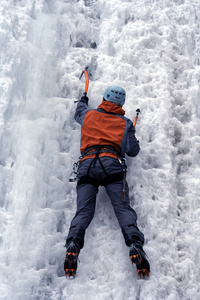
136,117
86,80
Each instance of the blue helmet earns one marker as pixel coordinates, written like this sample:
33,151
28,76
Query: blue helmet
115,94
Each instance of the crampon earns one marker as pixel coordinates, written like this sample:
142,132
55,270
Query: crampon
138,257
70,265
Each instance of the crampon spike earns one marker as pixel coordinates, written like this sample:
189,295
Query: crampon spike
135,259
70,273
142,273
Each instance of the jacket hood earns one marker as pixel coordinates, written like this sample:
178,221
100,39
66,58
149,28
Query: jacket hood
111,107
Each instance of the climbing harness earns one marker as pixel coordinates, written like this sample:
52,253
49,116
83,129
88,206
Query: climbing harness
109,178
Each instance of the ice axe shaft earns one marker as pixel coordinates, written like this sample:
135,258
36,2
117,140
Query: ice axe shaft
136,117
86,80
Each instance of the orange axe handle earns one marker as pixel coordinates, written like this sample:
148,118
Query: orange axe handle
136,117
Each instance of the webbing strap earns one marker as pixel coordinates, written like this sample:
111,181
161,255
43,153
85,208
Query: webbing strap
98,149
106,181
93,162
112,178
87,180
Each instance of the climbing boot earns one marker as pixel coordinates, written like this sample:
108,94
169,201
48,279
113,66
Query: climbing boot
70,264
138,257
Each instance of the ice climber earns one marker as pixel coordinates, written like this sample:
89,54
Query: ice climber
106,135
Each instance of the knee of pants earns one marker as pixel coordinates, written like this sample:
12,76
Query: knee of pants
125,215
84,216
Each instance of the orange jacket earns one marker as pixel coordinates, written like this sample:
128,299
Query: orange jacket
106,125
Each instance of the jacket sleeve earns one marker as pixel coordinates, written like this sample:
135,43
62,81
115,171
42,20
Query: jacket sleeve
132,144
81,110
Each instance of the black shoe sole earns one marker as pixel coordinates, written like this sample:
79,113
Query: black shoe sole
70,265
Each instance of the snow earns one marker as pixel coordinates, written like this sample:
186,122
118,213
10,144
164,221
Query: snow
150,48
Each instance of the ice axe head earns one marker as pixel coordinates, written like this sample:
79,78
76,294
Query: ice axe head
138,111
136,118
86,68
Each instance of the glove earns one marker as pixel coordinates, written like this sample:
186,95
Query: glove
84,99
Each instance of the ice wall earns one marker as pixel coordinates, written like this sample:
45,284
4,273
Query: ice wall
149,47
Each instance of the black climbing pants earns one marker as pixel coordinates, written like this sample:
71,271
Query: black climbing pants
86,200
